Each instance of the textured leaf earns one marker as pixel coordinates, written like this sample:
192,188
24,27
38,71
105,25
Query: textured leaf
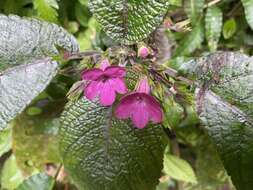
213,27
191,41
129,21
28,42
232,134
46,9
225,105
22,40
229,28
179,169
194,9
39,181
100,152
248,9
21,84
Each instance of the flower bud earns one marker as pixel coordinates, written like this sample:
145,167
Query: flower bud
143,52
143,86
104,64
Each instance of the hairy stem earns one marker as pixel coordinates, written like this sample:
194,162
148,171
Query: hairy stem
82,55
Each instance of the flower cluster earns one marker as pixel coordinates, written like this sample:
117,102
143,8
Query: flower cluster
105,82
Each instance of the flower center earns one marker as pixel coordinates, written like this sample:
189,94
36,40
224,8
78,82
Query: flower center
104,78
139,98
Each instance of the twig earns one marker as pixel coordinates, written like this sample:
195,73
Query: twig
174,74
82,55
58,172
158,76
186,22
212,3
234,9
171,73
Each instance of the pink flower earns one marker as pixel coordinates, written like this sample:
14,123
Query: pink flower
139,106
143,52
104,83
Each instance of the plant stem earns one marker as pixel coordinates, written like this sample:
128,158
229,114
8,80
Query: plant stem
58,172
174,74
82,55
212,3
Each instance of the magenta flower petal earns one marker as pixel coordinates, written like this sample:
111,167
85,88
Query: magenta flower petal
125,107
92,90
115,72
105,83
154,109
119,85
92,74
140,108
140,116
107,94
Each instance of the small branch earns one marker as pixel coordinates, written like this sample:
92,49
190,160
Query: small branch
174,74
161,78
58,172
82,55
234,9
182,24
185,80
212,3
171,73
169,133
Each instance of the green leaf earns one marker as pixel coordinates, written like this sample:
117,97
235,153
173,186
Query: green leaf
21,84
35,142
5,140
129,21
229,28
11,6
84,2
191,41
248,9
225,105
176,2
194,9
46,9
23,40
85,38
179,169
28,42
33,111
209,168
100,152
11,175
173,113
82,14
39,181
213,27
